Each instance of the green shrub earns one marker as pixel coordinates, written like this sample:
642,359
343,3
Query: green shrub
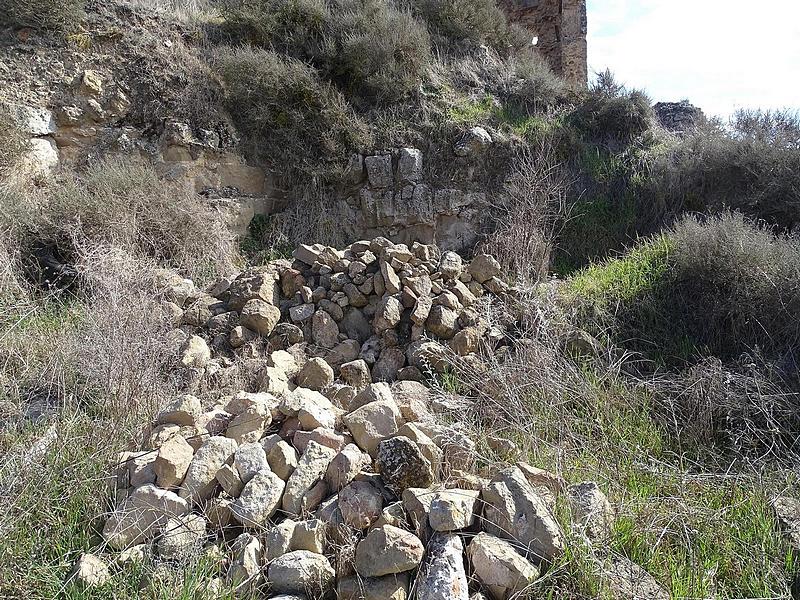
286,112
374,50
55,15
473,21
612,115
752,166
535,86
174,83
291,26
720,286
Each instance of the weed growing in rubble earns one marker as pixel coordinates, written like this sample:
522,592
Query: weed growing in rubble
14,142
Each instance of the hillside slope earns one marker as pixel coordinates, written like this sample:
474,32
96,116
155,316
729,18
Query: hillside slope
318,297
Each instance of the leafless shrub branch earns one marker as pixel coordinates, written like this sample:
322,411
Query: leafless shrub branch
534,203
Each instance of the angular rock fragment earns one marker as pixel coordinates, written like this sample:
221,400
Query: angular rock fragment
200,479
183,410
89,571
388,550
278,540
309,535
453,509
514,511
138,518
249,459
283,460
244,572
259,499
373,423
360,504
499,567
228,478
182,538
315,375
260,316
302,572
592,513
442,575
402,465
345,466
390,587
312,466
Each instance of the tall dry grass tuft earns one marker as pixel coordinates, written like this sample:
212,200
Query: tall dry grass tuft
713,409
315,215
79,377
534,203
124,204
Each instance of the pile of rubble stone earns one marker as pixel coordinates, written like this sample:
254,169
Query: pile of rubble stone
330,474
390,306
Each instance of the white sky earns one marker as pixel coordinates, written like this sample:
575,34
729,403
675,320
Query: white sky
719,54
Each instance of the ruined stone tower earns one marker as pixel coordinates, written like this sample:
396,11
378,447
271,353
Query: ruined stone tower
560,26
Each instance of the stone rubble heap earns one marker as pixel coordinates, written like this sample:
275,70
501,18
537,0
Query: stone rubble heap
331,476
375,312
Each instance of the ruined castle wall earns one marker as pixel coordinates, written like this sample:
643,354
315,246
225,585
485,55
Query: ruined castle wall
560,26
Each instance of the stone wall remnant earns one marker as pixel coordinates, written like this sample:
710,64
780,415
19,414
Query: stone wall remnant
560,26
679,117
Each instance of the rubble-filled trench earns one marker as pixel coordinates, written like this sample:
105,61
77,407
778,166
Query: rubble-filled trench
331,473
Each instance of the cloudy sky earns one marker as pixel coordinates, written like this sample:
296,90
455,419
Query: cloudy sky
720,54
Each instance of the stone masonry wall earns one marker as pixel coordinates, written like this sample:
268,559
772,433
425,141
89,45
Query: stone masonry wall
560,26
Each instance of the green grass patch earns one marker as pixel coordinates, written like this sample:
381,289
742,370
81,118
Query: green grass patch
48,317
595,229
627,277
467,111
518,120
51,517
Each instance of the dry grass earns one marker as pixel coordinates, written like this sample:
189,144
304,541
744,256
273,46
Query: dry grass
95,367
700,523
122,204
62,16
534,203
187,11
81,371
